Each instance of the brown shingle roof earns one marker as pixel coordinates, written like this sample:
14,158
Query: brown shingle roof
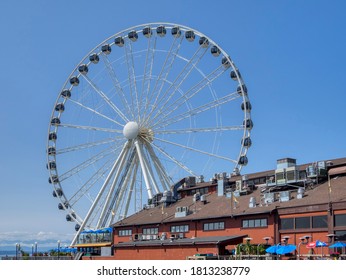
222,206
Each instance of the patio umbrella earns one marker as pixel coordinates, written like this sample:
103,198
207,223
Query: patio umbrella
311,245
272,249
338,244
321,243
286,249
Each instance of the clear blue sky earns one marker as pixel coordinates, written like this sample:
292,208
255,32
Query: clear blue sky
291,54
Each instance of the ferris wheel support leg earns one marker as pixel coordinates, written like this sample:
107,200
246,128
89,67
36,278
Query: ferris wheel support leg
144,169
130,193
119,199
159,168
120,164
92,208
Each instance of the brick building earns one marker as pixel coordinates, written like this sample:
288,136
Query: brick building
290,202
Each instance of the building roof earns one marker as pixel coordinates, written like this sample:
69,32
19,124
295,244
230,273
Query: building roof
208,240
223,206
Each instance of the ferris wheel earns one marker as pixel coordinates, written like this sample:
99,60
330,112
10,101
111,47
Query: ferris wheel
146,107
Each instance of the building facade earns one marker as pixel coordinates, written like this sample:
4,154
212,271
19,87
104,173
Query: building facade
292,204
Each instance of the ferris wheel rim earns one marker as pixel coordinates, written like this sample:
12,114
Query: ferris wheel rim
54,128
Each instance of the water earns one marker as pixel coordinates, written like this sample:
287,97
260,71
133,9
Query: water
8,253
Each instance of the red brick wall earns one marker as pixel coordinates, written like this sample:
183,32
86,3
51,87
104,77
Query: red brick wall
233,226
162,253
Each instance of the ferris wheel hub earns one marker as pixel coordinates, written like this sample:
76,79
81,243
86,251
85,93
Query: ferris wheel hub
131,130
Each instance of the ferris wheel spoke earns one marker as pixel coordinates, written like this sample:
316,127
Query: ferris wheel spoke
196,130
90,183
162,77
118,88
174,160
198,110
132,77
91,128
105,98
87,145
95,112
148,72
197,151
86,163
164,179
182,76
168,108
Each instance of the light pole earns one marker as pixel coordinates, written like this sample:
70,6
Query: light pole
303,240
32,251
267,242
17,249
285,239
248,246
35,250
331,238
58,249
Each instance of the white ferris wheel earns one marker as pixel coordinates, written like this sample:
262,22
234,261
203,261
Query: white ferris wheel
146,107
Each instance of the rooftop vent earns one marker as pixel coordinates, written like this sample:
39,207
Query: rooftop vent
181,212
269,198
285,196
252,202
300,193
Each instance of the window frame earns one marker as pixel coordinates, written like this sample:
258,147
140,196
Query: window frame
254,223
214,226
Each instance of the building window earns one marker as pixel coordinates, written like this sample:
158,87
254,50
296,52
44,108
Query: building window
254,223
319,221
214,226
287,223
340,235
302,222
153,231
125,232
340,220
181,228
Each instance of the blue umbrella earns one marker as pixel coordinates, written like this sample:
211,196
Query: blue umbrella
338,244
272,249
286,249
321,244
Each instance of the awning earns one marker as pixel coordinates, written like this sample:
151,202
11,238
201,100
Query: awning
208,240
85,245
337,170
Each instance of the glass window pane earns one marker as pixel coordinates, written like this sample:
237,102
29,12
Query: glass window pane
257,223
287,223
340,220
303,222
340,235
251,223
245,223
319,221
263,222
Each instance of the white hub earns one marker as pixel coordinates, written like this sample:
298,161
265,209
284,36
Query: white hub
131,130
